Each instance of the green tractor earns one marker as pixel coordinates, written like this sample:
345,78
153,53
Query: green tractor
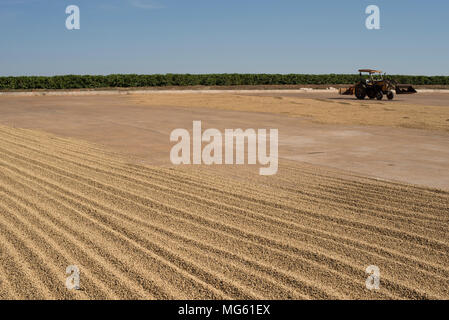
375,85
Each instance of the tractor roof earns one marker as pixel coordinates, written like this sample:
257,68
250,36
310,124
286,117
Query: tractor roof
370,71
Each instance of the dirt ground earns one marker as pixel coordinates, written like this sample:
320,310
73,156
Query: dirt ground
325,108
86,181
423,98
368,137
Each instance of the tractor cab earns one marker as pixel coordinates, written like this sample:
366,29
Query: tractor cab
371,76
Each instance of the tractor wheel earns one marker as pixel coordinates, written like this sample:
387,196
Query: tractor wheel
379,95
371,93
360,92
390,95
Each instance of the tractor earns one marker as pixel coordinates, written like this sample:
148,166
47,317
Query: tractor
374,85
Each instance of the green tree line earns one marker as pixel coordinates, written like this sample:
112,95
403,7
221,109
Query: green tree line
161,80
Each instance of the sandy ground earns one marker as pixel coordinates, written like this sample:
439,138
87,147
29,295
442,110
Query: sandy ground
161,233
88,183
327,134
325,108
425,97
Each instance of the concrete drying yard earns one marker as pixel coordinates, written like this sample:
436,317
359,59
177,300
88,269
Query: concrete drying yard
86,180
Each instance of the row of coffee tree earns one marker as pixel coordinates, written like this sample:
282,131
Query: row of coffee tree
161,80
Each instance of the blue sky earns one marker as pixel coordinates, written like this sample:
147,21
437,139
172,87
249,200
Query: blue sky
217,36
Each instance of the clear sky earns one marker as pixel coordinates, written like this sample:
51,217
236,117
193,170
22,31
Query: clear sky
223,36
